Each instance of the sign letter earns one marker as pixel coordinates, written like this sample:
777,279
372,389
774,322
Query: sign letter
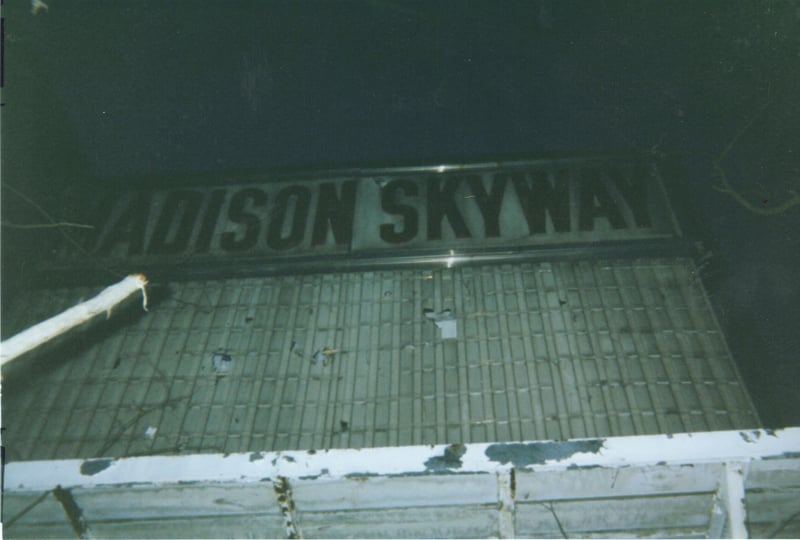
596,201
176,222
129,226
441,203
489,203
390,193
538,198
251,221
336,210
297,228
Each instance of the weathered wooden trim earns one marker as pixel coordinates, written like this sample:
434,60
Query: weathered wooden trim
505,503
73,512
687,448
283,495
732,491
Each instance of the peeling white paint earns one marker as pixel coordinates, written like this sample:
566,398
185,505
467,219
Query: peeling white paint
725,446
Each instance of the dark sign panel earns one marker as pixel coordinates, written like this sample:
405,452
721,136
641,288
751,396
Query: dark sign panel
387,216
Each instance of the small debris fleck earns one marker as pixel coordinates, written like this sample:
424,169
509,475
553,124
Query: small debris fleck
444,320
344,425
297,350
324,355
37,6
150,432
222,362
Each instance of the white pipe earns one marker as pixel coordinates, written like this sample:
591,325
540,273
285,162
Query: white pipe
43,332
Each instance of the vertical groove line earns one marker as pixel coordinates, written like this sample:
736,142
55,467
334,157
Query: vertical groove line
258,386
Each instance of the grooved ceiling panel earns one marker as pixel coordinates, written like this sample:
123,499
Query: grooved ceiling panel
543,351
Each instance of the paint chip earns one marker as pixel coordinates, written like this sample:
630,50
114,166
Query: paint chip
450,460
522,455
93,466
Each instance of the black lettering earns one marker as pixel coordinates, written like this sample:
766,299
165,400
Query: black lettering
237,213
177,219
489,203
390,194
596,201
209,223
442,203
302,199
632,187
538,198
338,211
129,226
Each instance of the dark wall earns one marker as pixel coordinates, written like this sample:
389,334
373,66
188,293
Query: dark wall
96,92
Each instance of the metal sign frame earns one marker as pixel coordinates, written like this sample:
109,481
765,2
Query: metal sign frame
239,225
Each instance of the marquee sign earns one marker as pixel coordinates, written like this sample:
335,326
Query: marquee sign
385,214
